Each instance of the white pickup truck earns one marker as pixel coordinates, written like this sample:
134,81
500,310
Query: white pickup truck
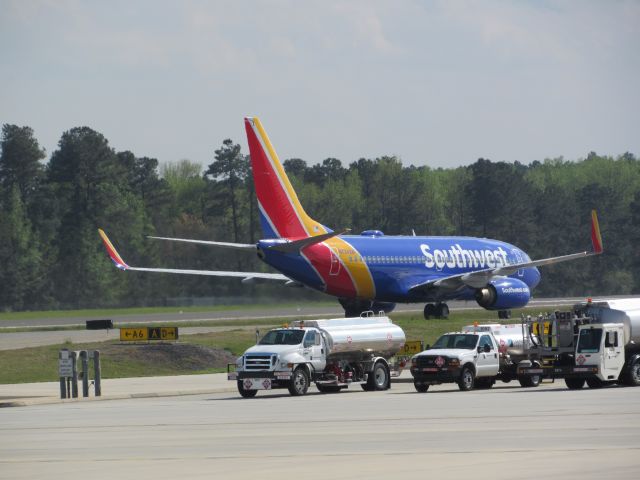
475,357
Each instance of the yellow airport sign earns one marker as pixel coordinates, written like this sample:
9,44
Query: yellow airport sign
133,334
411,347
144,334
163,333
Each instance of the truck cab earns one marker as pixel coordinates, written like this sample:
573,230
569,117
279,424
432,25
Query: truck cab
271,362
601,346
466,358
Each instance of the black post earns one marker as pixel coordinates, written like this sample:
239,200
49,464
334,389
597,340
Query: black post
74,378
97,373
85,373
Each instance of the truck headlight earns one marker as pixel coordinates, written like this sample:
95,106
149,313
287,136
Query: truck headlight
414,362
239,361
454,362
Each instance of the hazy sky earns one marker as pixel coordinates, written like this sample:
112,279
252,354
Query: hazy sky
438,83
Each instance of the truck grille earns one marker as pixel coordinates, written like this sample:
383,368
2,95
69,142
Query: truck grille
430,361
257,362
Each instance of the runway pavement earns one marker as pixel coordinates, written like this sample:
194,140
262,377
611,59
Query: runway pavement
505,432
240,313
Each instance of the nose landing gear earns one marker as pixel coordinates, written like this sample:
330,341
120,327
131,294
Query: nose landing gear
437,310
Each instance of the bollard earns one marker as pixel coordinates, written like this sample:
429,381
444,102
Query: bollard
85,373
74,377
97,373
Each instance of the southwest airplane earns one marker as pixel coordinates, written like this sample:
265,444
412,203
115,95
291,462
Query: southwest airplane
373,271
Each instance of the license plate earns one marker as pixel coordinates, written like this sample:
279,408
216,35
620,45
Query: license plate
283,376
429,369
256,383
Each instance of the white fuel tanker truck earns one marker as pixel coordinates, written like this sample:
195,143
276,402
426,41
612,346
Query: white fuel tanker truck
597,343
332,353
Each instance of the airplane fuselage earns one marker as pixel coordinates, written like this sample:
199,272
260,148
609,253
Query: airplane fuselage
385,268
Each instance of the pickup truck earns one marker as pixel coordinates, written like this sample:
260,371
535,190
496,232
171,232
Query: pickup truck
476,357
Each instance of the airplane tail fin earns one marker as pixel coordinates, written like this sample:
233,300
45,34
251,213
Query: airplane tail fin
596,238
281,213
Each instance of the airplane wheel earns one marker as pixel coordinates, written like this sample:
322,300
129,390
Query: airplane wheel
429,311
442,310
504,314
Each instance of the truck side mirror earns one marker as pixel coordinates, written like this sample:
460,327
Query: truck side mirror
480,349
487,348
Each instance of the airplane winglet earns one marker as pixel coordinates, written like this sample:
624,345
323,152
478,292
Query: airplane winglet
113,253
596,238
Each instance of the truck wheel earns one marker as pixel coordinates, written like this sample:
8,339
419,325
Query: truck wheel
529,381
633,377
421,387
466,380
574,383
328,388
484,382
246,393
378,379
594,382
299,382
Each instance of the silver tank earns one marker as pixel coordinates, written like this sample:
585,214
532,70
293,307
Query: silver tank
623,310
509,336
371,335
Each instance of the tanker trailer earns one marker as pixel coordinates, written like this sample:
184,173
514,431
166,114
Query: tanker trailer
606,346
332,353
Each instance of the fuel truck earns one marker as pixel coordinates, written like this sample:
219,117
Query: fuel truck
332,353
475,357
597,343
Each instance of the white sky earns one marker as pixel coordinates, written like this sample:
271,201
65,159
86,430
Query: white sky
438,83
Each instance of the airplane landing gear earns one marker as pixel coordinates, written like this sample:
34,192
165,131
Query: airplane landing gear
504,314
438,310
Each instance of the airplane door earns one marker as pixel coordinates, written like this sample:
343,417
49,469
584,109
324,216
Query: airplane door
519,259
334,269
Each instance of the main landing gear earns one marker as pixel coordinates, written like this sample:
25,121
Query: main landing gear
504,314
437,310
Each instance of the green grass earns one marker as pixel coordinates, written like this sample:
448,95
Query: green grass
39,364
105,312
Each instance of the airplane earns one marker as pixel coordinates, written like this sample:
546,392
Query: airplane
372,271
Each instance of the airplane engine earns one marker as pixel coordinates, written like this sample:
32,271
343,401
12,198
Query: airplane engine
503,294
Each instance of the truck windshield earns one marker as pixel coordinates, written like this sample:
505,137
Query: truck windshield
467,342
282,337
589,341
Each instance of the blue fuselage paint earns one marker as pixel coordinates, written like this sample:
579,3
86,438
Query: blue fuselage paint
399,263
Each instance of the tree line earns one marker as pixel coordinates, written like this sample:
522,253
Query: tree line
50,209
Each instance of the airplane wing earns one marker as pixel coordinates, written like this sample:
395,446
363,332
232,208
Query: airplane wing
246,276
480,278
235,246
